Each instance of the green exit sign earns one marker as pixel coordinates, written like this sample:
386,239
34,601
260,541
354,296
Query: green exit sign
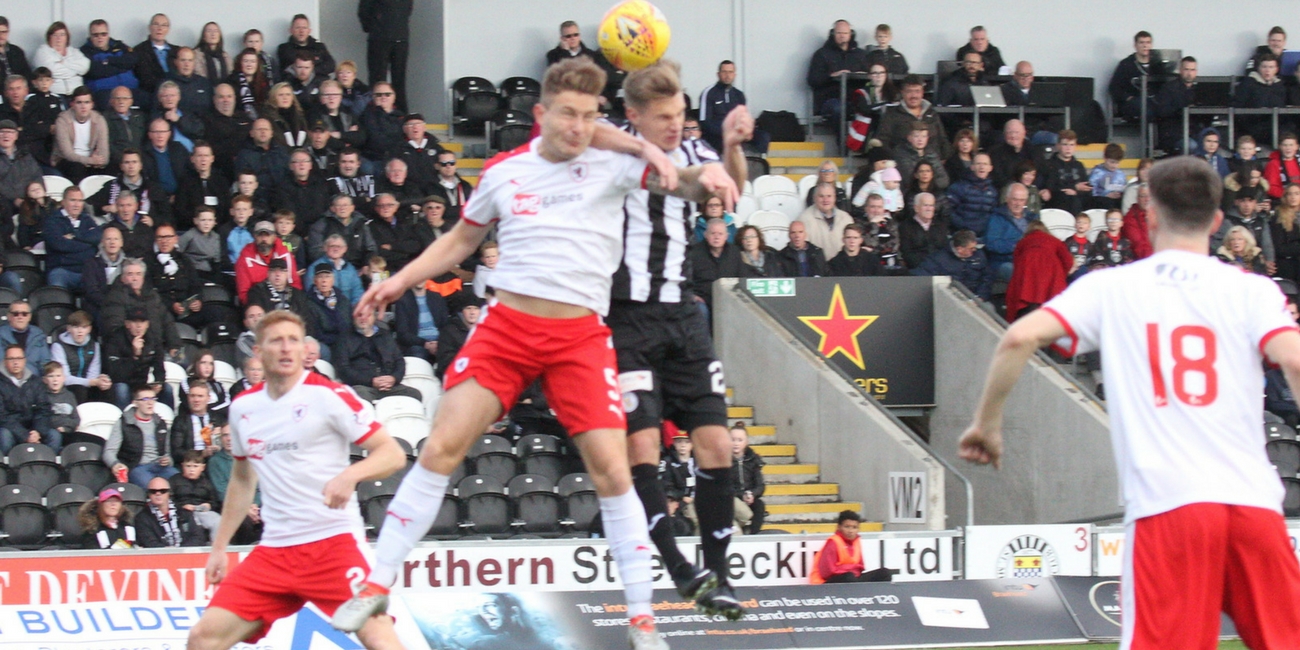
765,288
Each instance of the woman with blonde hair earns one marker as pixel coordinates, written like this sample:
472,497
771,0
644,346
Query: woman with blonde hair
1286,233
1239,249
106,521
286,115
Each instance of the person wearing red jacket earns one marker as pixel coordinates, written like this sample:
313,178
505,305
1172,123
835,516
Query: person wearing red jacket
251,266
1135,224
1040,269
1283,167
840,560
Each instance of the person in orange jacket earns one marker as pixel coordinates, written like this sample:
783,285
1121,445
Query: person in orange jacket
840,560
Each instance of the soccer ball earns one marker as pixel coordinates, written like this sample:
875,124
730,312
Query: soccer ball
633,35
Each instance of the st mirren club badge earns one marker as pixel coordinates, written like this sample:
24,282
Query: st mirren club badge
1028,556
578,172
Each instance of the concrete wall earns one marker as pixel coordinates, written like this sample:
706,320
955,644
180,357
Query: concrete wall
1057,465
833,424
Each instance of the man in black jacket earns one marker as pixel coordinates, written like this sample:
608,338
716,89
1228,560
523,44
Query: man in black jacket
748,490
201,185
368,359
12,58
165,159
1169,103
330,316
226,129
112,64
464,308
417,318
194,428
450,186
393,232
387,24
177,283
838,55
979,43
1260,89
711,259
1126,84
800,258
306,193
24,405
955,90
163,525
126,125
130,294
130,353
154,58
276,292
419,151
300,39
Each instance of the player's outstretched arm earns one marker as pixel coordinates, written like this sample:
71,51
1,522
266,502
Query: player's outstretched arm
737,129
612,138
383,457
239,498
982,442
441,256
697,183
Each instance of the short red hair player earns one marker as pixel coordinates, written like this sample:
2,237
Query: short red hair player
290,436
1182,337
558,206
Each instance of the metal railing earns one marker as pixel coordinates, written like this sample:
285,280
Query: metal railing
1232,113
1019,111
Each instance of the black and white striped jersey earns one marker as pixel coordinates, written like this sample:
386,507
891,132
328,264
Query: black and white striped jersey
656,231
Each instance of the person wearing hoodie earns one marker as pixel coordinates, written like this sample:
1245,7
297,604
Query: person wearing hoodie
1262,88
1283,168
1245,212
80,356
343,220
101,271
1208,147
24,404
131,294
71,238
838,55
1007,225
973,198
897,119
20,331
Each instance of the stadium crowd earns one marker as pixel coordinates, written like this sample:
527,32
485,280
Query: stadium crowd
207,186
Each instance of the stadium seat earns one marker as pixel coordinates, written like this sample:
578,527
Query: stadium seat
474,100
417,367
25,518
581,504
510,129
521,93
536,503
98,418
1097,216
398,405
1273,431
36,465
175,375
220,338
786,204
325,368
63,501
51,318
408,429
430,392
83,465
772,184
501,467
133,496
55,186
487,508
757,166
543,454
774,225
91,185
1284,454
1053,218
1291,502
51,295
748,189
165,412
373,496
746,206
447,524
1130,197
8,297
807,183
224,373
216,294
28,279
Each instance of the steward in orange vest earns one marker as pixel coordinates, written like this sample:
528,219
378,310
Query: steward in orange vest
840,560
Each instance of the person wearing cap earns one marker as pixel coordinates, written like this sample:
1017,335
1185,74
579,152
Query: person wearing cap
323,147
330,313
367,358
18,168
24,402
432,222
677,473
276,292
465,309
342,219
418,317
253,262
306,193
419,151
346,278
451,187
106,522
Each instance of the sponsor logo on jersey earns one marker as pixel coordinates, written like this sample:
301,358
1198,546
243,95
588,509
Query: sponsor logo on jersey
1028,556
259,449
526,204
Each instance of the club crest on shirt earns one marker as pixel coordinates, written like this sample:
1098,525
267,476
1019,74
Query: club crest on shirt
299,410
578,172
526,204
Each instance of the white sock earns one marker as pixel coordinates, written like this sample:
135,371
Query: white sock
410,515
629,541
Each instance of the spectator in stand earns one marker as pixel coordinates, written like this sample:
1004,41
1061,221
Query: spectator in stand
164,157
922,180
393,233
883,54
285,113
840,54
1107,179
918,149
1239,249
758,261
25,412
40,111
955,90
154,56
162,525
330,315
382,123
432,222
32,211
351,181
356,94
397,183
853,259
419,315
20,331
965,144
66,63
132,352
112,65
1017,91
1006,226
13,60
346,278
343,220
139,441
101,271
211,59
340,122
979,42
126,125
922,235
1283,166
253,315
714,258
106,523
136,228
1247,213
194,429
368,359
1253,184
963,261
717,101
897,119
418,150
571,45
150,199
300,39
1262,88
1276,46
324,149
1063,178
1042,268
1169,102
712,209
973,198
305,193
304,81
1009,153
71,238
176,283
32,130
225,129
840,559
1286,235
824,222
17,166
264,155
129,295
1135,224
311,353
266,59
747,468
195,89
1078,245
1207,148
1126,83
63,403
1111,247
80,355
193,491
250,82
276,292
253,375
880,233
387,25
237,233
201,186
202,374
464,309
450,186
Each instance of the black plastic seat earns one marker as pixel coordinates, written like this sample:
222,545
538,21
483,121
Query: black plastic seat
20,259
447,524
493,456
28,280
63,501
474,100
536,504
8,296
51,295
25,519
1274,431
529,484
487,509
543,454
510,129
133,496
216,294
367,490
1284,454
52,317
581,503
574,483
1291,502
189,334
406,447
83,464
216,333
521,93
36,465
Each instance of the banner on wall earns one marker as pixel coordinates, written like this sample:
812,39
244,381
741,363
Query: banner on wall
1096,605
1111,547
995,552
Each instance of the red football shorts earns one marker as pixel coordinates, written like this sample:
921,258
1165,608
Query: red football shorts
1187,565
508,350
275,582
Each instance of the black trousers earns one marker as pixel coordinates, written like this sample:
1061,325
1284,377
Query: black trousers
383,54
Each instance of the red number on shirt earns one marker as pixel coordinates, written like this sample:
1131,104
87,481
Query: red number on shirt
1203,365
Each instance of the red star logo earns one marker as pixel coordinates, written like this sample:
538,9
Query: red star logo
839,330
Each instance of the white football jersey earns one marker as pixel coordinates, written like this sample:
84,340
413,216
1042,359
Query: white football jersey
297,444
1181,338
560,225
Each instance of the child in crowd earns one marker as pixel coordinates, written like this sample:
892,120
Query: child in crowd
202,246
192,490
1107,179
378,269
238,234
248,185
1246,155
1064,179
63,404
285,222
42,106
78,354
35,206
1111,245
885,183
1078,245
